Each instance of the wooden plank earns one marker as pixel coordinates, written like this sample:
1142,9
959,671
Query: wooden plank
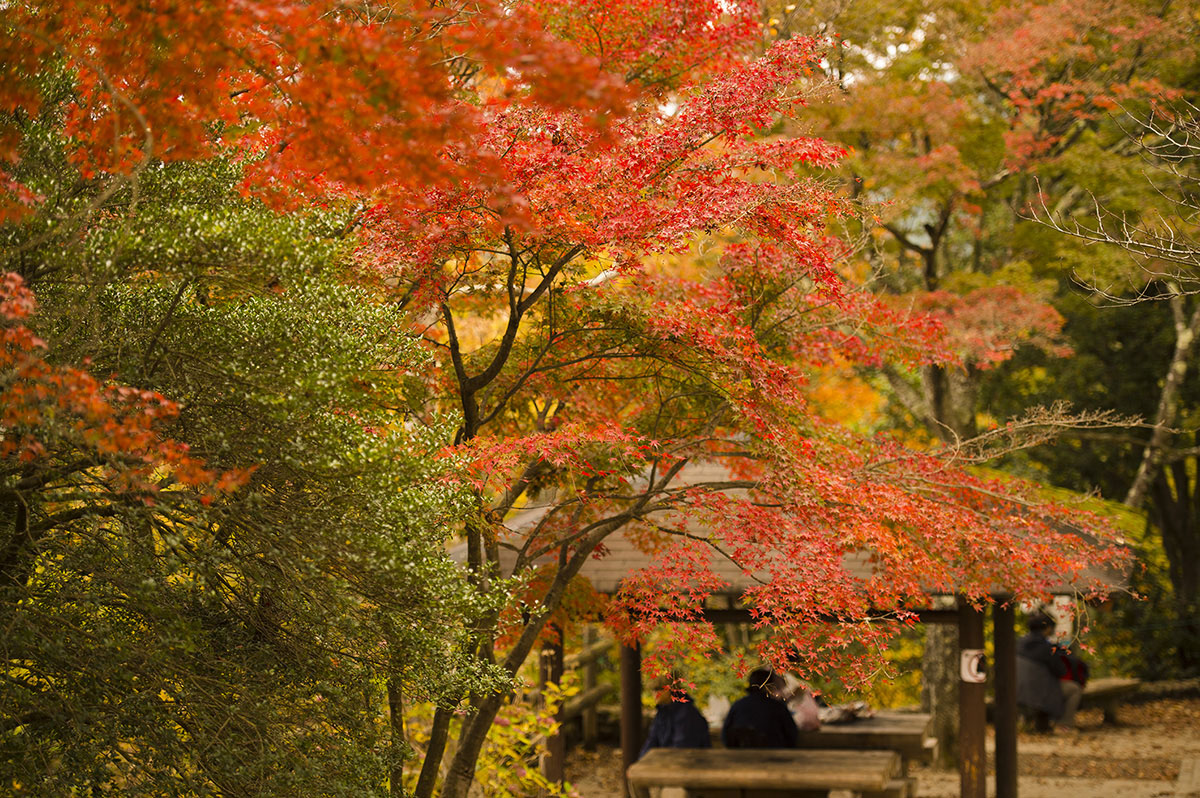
591,718
1111,684
591,652
764,769
896,788
551,672
586,700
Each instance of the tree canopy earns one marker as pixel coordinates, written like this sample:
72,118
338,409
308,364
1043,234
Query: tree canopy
321,288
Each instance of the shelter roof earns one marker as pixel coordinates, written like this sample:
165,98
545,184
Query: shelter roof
622,556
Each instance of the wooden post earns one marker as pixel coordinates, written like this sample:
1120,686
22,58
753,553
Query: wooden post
1005,670
551,672
972,708
591,718
631,709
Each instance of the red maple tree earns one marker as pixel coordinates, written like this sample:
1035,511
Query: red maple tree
660,304
624,273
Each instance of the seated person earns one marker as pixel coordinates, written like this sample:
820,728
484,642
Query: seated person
760,719
677,723
1043,681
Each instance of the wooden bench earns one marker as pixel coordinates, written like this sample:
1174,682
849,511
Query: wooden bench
766,773
1108,694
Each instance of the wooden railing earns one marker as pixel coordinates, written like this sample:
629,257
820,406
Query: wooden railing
584,704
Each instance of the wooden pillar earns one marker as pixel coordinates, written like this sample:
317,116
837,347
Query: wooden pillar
972,707
591,718
1005,640
631,709
551,671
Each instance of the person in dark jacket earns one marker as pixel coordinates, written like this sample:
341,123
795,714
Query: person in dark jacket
760,719
677,724
1041,687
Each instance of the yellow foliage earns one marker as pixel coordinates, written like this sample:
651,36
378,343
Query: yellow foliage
510,764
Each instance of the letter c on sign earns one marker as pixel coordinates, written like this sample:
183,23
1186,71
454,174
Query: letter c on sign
974,666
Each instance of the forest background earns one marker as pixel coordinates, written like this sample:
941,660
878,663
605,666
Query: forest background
298,295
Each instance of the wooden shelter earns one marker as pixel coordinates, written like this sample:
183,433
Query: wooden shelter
623,557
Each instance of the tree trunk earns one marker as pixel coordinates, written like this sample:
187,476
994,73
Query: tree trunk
396,719
1175,508
474,733
951,398
1173,495
1186,331
434,752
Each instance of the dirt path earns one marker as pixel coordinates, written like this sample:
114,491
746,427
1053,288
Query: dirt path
1140,758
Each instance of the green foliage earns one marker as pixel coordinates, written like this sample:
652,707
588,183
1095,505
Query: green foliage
897,683
175,646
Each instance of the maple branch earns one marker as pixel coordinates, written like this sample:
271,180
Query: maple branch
34,481
708,541
1139,240
486,707
1038,425
517,488
640,500
937,231
36,531
550,276
471,385
1175,455
18,555
996,179
470,409
1109,437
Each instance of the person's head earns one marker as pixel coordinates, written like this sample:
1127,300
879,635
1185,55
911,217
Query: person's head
1040,623
765,680
669,687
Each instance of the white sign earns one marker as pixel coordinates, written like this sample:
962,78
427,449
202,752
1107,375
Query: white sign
974,666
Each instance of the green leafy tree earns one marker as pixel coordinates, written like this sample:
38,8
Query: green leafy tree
1140,318
242,613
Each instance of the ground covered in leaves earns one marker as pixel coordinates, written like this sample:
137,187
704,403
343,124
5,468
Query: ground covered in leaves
1149,743
1138,758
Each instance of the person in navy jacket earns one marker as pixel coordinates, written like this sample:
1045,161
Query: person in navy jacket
677,724
760,719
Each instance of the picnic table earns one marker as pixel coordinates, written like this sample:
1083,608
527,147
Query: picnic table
906,733
763,772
